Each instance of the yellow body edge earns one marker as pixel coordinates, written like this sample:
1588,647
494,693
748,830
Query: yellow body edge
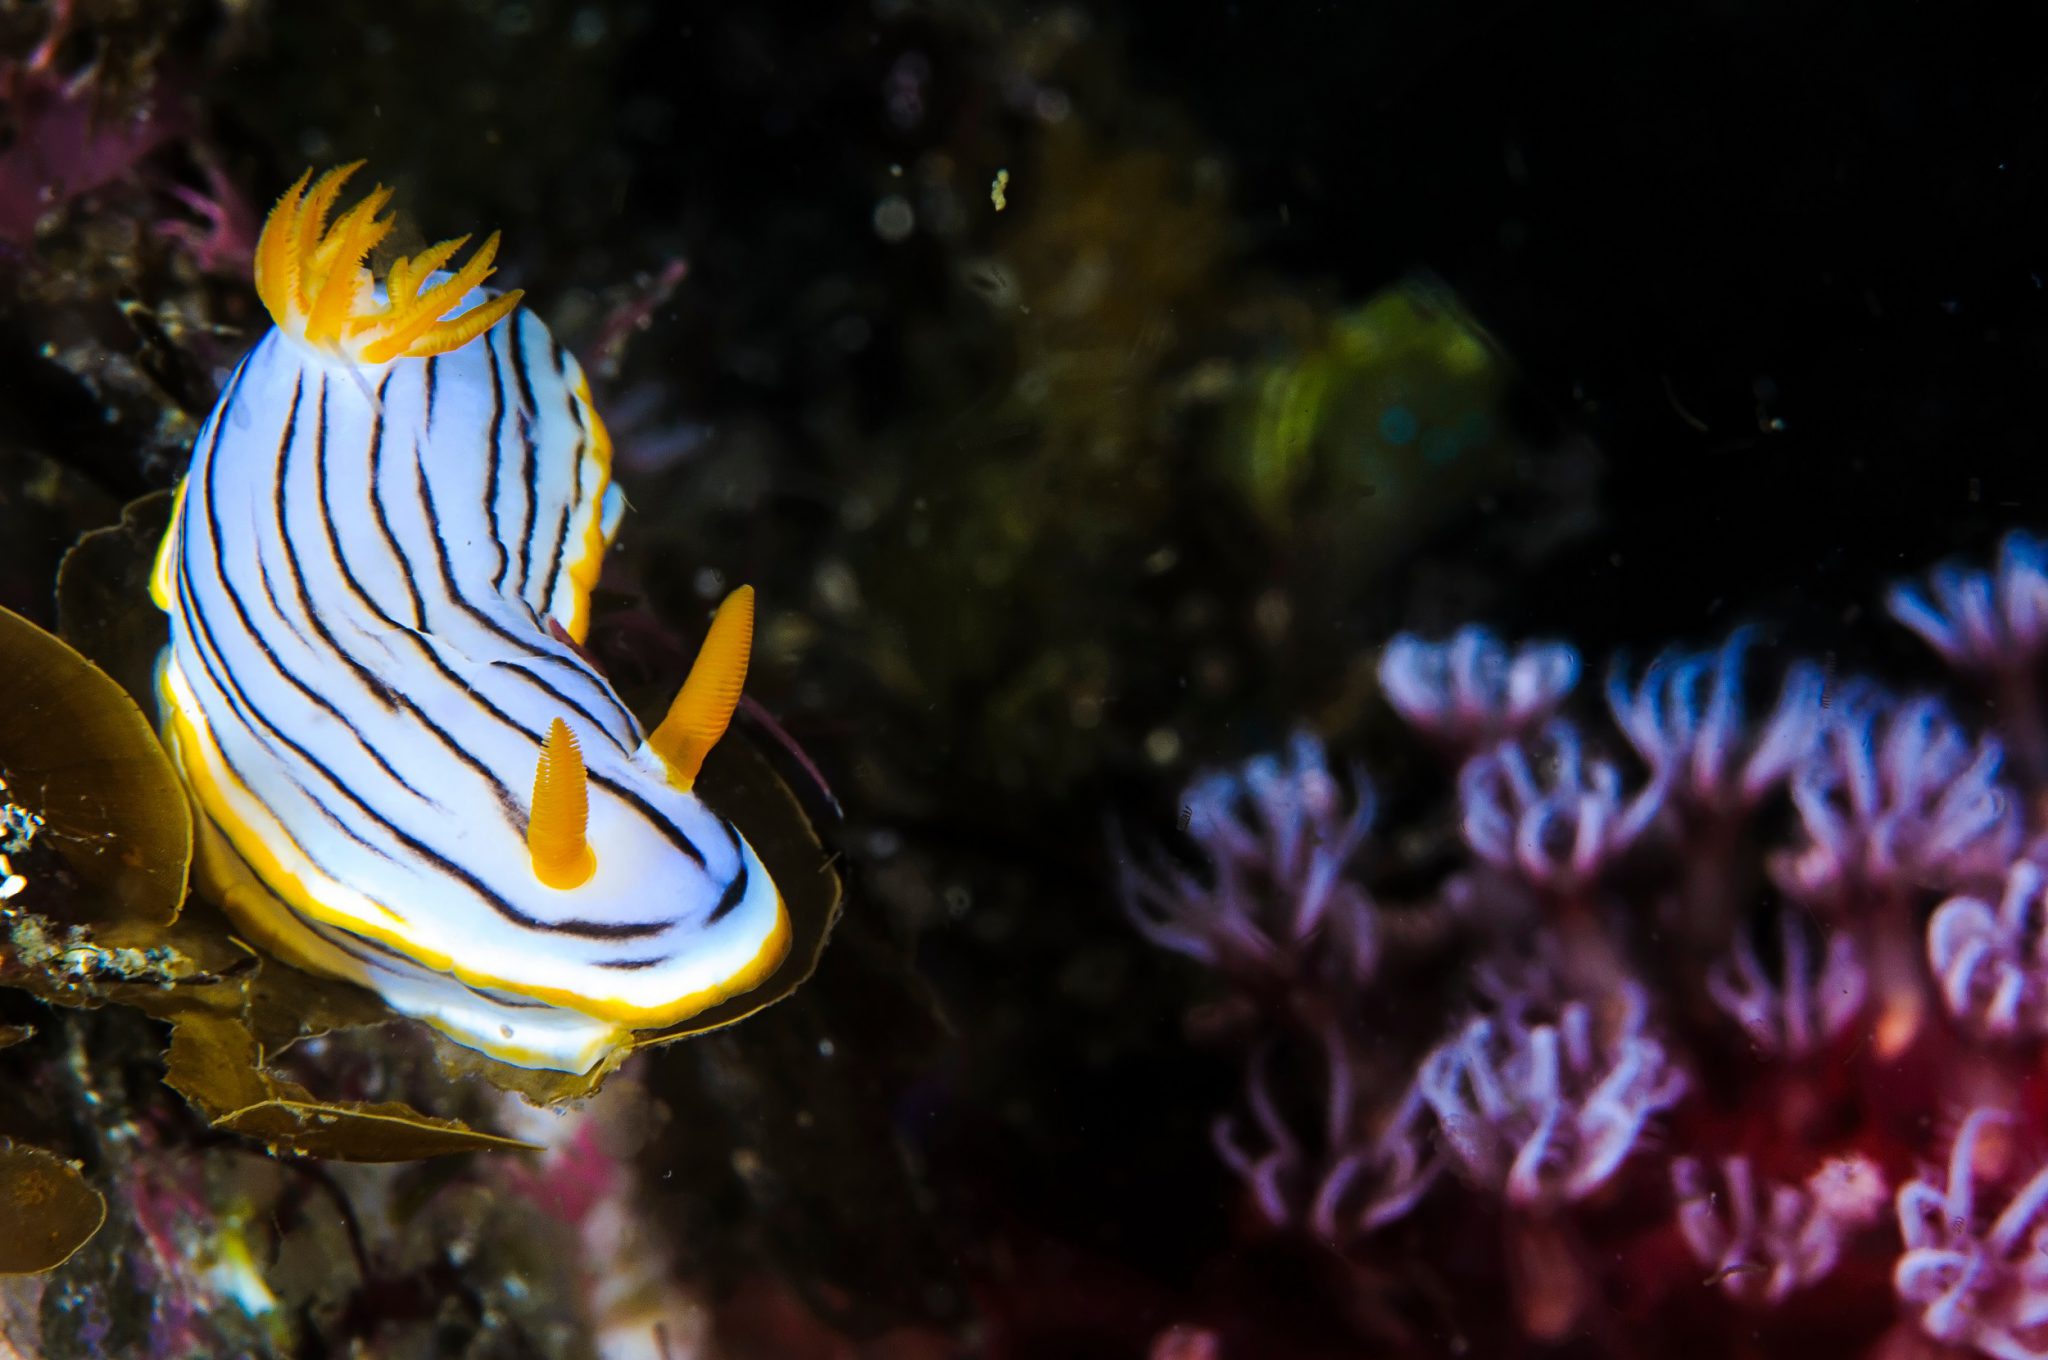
160,569
584,568
192,747
227,879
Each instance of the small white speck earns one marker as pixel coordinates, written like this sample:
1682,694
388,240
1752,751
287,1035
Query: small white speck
895,219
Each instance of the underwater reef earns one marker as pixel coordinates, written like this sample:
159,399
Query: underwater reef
1399,646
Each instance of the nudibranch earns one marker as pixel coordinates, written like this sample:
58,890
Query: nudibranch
379,562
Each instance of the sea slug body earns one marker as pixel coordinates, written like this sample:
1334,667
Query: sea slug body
381,553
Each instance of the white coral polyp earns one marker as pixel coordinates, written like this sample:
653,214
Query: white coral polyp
1972,1284
1547,1112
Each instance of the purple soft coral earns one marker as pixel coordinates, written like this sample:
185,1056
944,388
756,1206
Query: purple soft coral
1545,1113
60,139
1982,622
1578,870
1277,837
220,236
1796,1014
1976,1286
1992,962
1475,690
1546,813
1698,745
1364,1178
1897,798
1764,1239
1993,627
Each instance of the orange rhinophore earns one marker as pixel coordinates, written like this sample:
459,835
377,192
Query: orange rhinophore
704,707
557,829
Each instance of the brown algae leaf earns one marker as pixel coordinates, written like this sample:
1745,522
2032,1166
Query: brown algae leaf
76,752
216,1063
222,1036
68,965
224,1021
47,1211
103,604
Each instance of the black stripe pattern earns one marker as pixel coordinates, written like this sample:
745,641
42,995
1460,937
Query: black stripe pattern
362,579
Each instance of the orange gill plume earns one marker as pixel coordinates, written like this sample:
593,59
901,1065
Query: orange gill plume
555,830
704,707
314,279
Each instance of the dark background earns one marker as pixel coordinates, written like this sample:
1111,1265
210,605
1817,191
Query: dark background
1783,263
1686,223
